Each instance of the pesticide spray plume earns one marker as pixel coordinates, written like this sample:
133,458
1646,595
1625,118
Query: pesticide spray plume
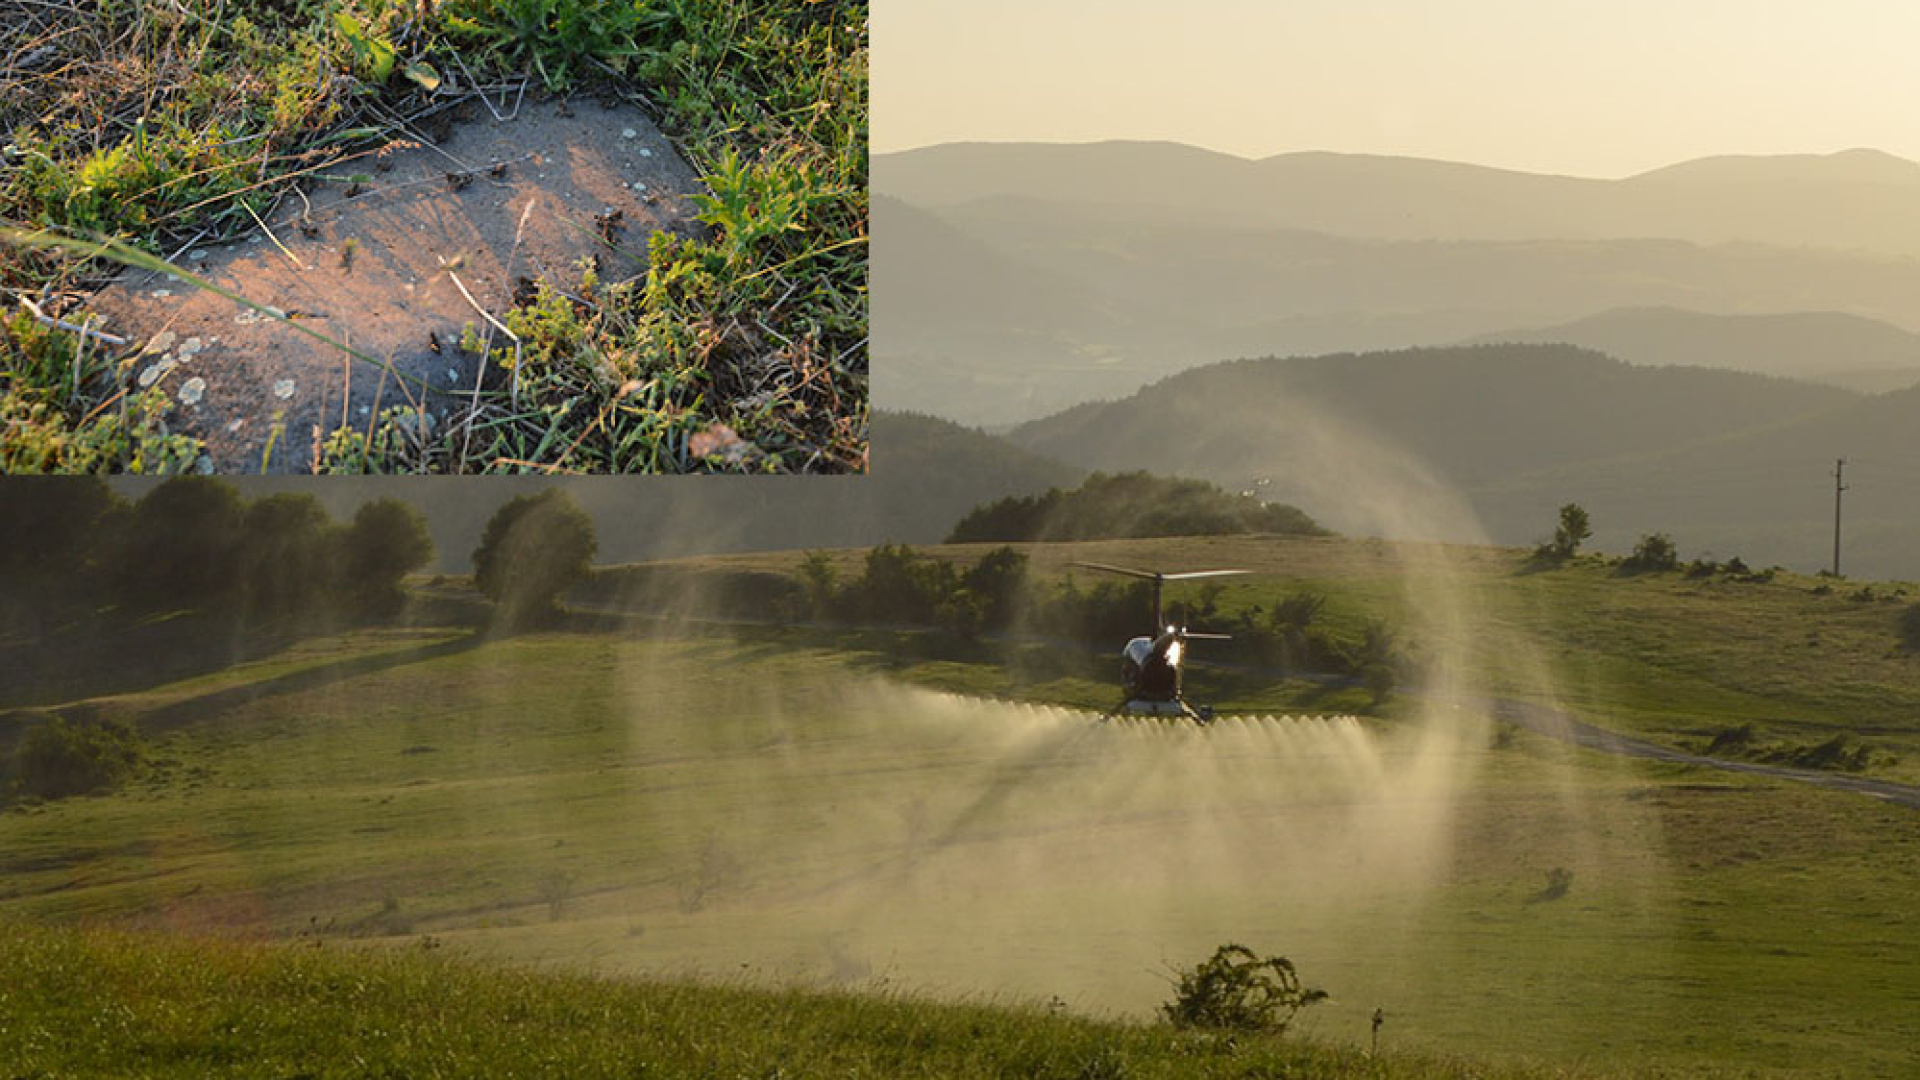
950,844
810,820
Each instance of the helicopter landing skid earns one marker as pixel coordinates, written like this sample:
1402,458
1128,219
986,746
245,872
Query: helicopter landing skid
1176,708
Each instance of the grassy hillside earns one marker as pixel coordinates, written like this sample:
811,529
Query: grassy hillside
203,1008
1766,494
1729,463
805,807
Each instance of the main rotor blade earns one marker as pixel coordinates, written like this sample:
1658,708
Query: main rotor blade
1129,571
1152,576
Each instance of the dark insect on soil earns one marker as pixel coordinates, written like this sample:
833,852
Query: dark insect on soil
433,340
525,291
309,230
498,170
356,188
458,181
609,224
382,164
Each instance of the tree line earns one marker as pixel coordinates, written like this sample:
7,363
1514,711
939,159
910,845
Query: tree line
1124,505
76,549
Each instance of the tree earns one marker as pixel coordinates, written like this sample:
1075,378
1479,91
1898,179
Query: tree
387,540
821,581
1574,530
998,579
899,586
178,547
533,548
286,558
53,530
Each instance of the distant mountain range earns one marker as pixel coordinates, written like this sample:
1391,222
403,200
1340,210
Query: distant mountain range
1857,199
1013,280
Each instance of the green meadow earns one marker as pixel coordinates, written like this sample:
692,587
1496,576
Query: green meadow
701,849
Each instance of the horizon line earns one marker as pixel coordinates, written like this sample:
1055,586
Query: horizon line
1138,141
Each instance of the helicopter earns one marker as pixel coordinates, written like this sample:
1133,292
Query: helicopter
1150,665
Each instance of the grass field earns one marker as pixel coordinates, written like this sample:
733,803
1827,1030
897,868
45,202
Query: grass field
197,1008
752,807
1674,659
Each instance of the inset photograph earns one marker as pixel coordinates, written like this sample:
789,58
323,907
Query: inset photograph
456,237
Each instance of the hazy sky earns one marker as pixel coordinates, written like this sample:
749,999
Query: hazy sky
1586,87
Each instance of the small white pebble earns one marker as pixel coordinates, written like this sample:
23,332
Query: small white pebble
234,426
639,185
452,375
629,133
197,255
646,151
283,389
161,342
191,346
161,294
151,375
193,390
363,410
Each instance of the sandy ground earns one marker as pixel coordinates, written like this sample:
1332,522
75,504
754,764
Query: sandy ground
375,255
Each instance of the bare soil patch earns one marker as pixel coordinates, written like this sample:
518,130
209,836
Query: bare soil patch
395,253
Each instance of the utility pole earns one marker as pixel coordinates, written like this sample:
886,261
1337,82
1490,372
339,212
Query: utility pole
1839,466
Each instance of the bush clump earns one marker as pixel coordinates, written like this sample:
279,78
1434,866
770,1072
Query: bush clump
1654,552
1238,991
59,758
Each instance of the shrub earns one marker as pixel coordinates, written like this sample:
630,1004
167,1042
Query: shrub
1910,628
1238,991
1559,880
1655,551
58,758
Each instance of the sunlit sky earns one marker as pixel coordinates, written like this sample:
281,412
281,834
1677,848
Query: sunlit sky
1600,88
